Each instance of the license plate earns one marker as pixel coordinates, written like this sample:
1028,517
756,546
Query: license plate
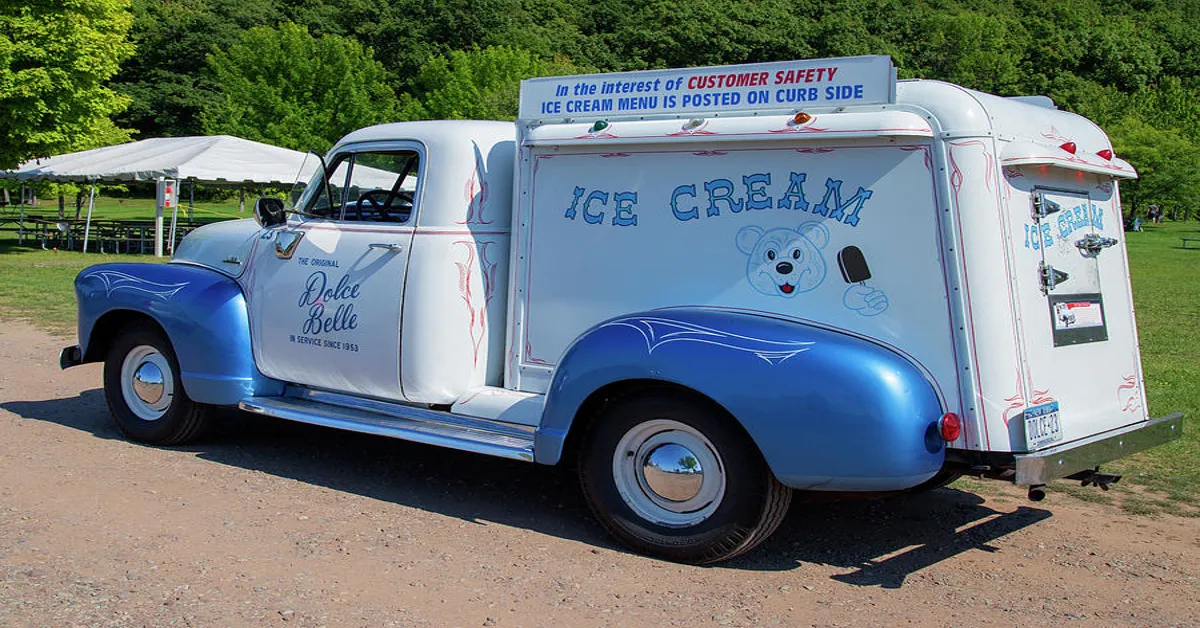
1042,426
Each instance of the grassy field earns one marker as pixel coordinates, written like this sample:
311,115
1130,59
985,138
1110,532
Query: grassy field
137,209
36,285
1166,295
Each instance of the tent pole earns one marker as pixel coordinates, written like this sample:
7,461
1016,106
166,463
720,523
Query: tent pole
87,226
242,199
174,221
158,219
21,222
191,199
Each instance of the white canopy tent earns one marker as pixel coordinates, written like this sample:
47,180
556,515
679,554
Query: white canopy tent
219,159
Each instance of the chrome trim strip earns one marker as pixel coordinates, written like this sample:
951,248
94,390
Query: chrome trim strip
416,424
1056,462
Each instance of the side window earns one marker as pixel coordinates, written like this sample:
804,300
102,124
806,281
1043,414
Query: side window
321,204
380,187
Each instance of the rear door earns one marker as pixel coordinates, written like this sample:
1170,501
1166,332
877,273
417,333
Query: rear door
1081,357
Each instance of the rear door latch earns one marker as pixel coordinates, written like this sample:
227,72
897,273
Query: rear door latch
1092,244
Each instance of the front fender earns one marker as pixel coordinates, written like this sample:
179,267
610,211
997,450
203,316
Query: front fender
829,411
202,312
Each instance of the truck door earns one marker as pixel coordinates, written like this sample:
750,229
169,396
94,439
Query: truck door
325,289
1081,361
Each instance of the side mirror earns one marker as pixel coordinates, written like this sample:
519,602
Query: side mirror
269,212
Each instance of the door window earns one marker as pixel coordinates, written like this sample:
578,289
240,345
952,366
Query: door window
377,186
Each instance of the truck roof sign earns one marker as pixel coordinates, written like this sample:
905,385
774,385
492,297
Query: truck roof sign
864,80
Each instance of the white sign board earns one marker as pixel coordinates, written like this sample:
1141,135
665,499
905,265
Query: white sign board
725,89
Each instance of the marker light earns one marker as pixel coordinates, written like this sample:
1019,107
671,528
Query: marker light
694,123
1068,146
1107,154
801,118
600,125
950,427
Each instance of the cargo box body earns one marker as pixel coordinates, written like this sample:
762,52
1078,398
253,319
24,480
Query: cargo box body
909,224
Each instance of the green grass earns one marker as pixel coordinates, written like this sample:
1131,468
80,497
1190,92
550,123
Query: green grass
107,208
1166,296
36,285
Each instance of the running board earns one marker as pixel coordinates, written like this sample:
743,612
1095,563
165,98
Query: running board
410,423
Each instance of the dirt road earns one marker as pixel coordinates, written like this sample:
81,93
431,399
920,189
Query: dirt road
269,523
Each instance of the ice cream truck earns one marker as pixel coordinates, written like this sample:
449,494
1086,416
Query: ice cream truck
704,287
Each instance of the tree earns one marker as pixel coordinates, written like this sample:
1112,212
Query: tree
480,84
165,79
55,57
285,87
1168,165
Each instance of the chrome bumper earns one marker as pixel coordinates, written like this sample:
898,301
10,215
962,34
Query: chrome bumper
1057,462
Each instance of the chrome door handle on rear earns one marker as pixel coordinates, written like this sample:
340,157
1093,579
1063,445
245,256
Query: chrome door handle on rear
394,248
1093,244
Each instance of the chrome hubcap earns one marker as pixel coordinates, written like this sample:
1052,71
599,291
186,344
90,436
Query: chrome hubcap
673,472
669,473
147,383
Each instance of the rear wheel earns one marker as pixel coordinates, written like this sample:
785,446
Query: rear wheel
672,476
144,392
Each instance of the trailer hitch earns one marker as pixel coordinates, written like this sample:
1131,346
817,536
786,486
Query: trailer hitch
1094,476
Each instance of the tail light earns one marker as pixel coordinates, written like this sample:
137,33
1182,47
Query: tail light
950,426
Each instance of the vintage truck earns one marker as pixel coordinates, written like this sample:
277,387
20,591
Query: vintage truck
705,287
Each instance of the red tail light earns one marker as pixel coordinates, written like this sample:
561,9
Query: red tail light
950,426
1107,154
1068,146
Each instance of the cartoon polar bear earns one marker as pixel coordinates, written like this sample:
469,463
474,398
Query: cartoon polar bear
785,262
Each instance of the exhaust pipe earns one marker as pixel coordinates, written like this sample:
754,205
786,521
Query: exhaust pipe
1037,492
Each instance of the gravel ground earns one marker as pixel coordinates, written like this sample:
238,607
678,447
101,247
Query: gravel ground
267,523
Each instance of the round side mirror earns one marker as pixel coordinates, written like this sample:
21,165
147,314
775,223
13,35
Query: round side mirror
269,212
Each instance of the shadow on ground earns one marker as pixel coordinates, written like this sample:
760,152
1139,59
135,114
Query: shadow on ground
882,541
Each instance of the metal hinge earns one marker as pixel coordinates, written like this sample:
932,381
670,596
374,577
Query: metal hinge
1049,277
1043,207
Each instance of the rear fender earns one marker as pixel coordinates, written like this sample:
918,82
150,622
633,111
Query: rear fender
828,411
202,312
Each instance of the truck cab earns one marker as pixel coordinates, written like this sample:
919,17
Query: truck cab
705,287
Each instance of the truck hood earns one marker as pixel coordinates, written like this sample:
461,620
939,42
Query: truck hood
222,246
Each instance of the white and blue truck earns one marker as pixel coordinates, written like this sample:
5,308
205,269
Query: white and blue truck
705,287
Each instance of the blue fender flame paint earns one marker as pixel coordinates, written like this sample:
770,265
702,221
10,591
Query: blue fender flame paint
203,313
829,411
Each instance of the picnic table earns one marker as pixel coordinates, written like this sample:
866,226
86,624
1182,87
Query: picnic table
106,236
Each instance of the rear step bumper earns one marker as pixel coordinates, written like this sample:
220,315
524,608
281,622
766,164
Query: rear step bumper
1059,462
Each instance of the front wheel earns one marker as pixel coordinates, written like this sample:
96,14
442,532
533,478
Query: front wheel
144,392
672,476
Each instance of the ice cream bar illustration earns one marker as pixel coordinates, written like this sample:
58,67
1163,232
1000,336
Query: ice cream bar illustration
853,265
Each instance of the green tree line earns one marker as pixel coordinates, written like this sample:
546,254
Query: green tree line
301,73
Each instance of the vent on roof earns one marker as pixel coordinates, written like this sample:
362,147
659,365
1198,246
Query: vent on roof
1037,101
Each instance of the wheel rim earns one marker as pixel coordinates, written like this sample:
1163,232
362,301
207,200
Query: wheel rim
669,473
147,383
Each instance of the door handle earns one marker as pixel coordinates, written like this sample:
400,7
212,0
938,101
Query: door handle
393,248
1092,244
286,241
